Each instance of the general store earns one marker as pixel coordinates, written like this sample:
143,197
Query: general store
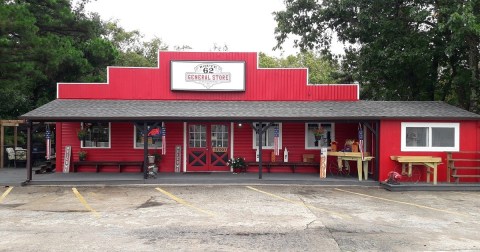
200,109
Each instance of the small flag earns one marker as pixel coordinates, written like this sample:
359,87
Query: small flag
276,148
360,141
164,142
48,143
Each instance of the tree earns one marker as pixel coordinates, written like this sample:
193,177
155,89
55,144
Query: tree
321,69
133,51
42,42
402,50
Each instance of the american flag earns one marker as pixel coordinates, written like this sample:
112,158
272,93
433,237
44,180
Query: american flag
48,136
360,140
276,148
164,142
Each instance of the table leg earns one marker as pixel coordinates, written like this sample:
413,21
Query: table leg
428,173
365,169
359,169
435,173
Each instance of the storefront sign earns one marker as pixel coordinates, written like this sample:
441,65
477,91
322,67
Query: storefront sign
178,157
208,75
66,159
219,149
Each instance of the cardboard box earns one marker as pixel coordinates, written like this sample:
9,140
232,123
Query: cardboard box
308,158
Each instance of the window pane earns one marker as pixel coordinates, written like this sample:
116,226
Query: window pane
326,139
154,139
267,136
443,137
417,136
98,135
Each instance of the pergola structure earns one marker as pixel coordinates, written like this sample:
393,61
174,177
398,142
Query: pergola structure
3,124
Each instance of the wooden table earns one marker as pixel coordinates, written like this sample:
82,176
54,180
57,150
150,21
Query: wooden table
429,162
354,156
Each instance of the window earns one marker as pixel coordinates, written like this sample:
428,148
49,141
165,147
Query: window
328,136
97,135
430,136
154,137
267,136
197,136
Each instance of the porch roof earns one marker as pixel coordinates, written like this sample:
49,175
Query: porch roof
150,110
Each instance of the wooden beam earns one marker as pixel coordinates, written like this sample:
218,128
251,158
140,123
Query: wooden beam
2,145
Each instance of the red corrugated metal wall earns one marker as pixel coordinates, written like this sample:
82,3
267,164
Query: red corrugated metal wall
261,84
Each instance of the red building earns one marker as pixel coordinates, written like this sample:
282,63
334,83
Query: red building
210,104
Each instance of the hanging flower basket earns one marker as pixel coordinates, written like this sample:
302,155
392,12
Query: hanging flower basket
81,134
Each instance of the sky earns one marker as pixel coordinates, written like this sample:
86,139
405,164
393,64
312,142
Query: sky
242,25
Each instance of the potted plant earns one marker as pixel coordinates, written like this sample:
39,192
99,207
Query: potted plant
82,155
319,132
237,164
81,134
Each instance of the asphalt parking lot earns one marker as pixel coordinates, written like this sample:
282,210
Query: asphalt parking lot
236,218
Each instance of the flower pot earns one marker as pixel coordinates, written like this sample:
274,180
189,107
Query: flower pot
151,159
82,158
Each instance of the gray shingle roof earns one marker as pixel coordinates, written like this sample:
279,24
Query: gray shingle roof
139,110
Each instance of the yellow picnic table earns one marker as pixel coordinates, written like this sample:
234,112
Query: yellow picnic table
429,162
353,156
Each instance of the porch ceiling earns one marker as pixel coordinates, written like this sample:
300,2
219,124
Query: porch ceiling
152,110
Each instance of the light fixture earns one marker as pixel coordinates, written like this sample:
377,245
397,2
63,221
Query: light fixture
240,125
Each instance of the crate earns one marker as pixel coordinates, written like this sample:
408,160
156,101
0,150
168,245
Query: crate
308,158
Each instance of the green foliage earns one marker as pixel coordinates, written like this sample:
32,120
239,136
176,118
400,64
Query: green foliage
321,69
43,42
401,50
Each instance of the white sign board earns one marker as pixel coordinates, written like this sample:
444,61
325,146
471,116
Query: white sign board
207,75
66,159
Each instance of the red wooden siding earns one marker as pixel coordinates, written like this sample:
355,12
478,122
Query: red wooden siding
261,84
293,138
122,146
390,145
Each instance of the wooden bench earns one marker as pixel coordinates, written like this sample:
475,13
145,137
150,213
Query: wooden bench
99,164
292,165
463,160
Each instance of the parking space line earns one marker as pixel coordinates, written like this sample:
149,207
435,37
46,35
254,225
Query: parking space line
4,195
183,202
84,202
300,203
402,202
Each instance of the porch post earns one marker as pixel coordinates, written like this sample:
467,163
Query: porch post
29,151
377,150
145,150
2,144
260,143
260,130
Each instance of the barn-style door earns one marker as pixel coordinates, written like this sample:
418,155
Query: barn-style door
208,147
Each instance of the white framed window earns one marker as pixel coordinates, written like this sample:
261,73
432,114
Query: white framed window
154,137
98,135
268,136
417,136
313,143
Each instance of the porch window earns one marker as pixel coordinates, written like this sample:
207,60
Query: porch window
267,136
430,136
313,144
97,135
154,137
